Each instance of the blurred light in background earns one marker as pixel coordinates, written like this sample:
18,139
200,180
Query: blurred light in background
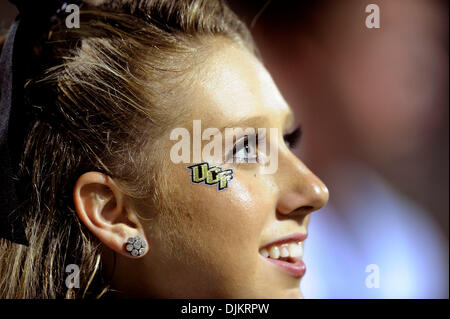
373,104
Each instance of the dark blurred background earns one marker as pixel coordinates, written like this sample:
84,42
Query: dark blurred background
373,104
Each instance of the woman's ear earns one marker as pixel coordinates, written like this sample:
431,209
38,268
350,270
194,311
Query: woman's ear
101,206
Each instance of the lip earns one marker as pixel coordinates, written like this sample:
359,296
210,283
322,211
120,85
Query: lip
294,266
297,237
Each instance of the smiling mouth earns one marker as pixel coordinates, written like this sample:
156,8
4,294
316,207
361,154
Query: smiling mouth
286,253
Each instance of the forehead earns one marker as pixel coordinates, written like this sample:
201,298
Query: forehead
233,85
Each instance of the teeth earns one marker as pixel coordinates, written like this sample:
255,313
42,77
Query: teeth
264,252
284,252
274,252
294,250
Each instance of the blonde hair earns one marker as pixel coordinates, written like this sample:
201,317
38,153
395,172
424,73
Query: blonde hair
97,98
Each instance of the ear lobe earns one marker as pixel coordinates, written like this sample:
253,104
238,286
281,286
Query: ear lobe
100,205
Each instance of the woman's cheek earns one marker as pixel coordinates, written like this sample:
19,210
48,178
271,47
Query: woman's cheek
220,230
232,215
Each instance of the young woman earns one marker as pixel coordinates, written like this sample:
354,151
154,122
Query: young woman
89,151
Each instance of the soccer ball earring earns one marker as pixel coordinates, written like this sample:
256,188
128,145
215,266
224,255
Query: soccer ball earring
135,246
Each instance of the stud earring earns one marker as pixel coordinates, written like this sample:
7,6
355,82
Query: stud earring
135,246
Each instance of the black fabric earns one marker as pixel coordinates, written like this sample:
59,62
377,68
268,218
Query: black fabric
34,16
39,11
33,21
11,226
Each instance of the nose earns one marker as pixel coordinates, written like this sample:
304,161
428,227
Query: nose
301,192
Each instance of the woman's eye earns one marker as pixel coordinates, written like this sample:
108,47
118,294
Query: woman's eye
245,151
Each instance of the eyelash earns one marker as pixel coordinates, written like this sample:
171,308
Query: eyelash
292,139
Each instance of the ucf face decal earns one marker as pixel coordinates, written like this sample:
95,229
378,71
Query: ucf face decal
210,175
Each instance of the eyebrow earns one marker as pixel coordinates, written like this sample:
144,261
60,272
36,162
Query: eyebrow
259,121
245,122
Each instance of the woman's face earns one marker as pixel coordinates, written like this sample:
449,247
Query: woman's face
208,243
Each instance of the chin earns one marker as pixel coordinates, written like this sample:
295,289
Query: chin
293,294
